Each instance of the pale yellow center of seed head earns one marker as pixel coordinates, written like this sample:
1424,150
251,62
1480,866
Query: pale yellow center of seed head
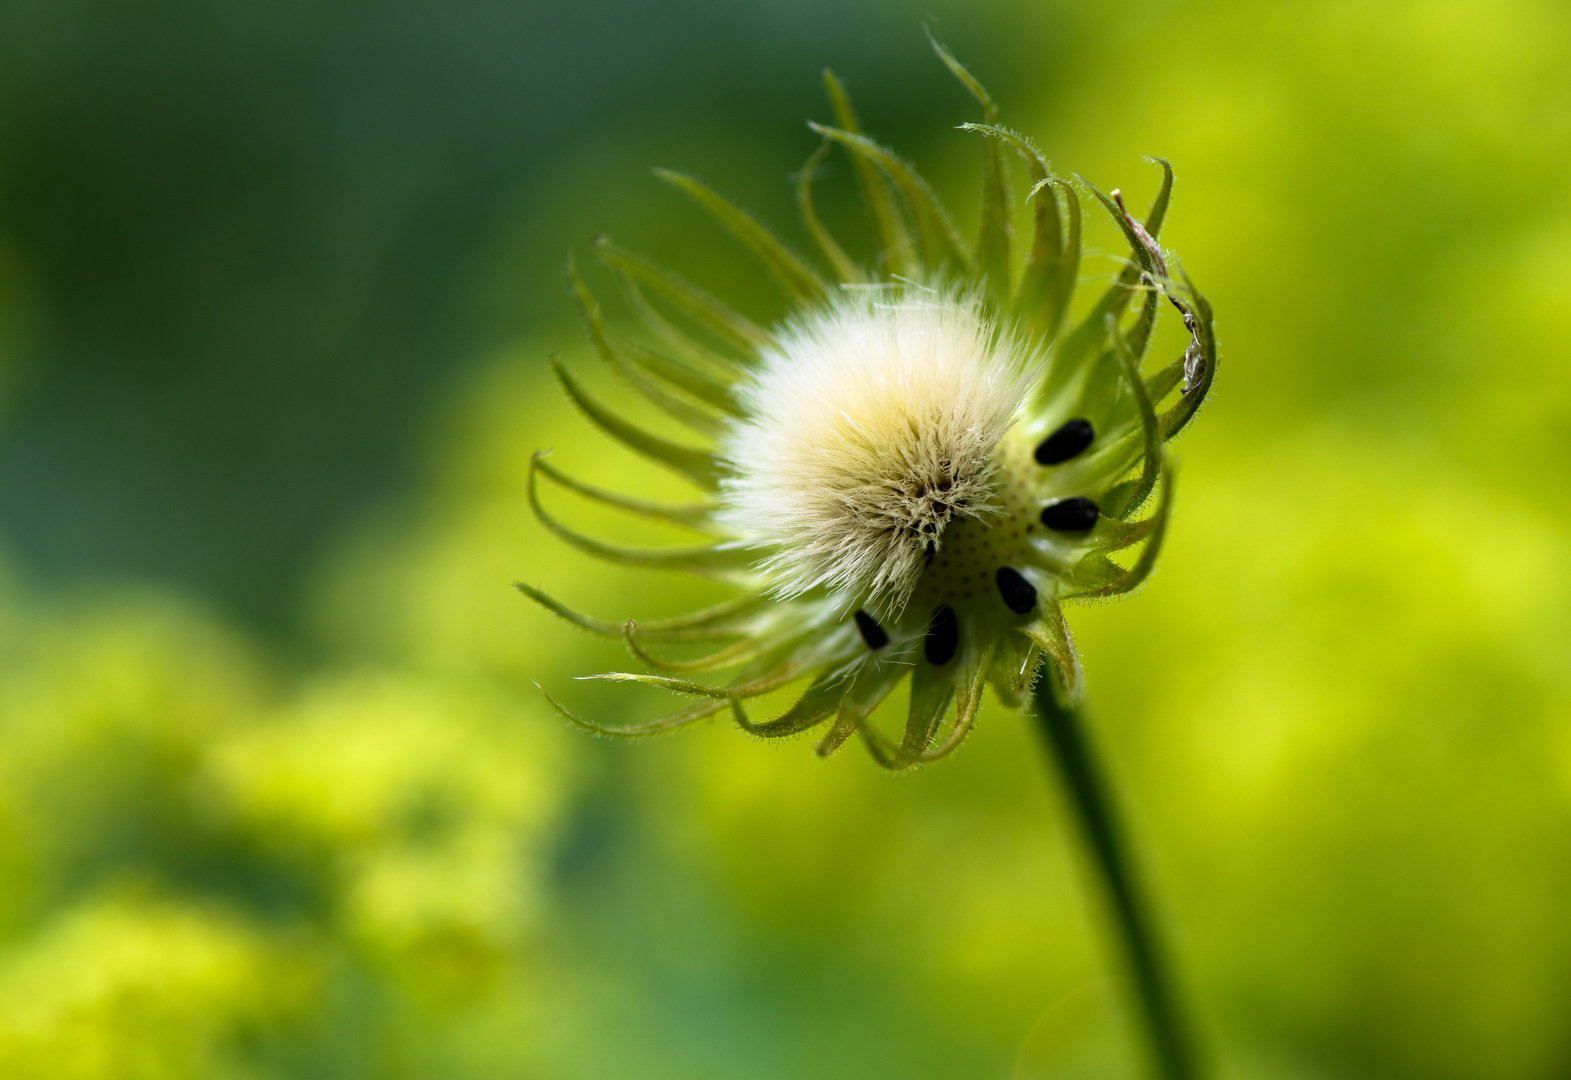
870,428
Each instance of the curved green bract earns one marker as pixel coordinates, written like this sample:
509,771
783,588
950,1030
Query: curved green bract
845,268
785,265
709,560
1089,336
994,232
1149,425
940,241
700,420
695,516
670,722
699,466
895,252
1131,579
688,298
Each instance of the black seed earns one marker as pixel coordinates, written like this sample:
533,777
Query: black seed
1018,593
943,637
1066,442
872,633
1070,515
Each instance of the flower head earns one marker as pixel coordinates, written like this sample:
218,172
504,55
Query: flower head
909,475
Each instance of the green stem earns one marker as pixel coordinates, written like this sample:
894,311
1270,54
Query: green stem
1063,730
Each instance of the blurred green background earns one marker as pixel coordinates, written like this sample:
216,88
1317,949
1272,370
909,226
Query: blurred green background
277,799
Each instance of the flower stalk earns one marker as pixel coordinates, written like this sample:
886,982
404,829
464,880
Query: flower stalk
1061,722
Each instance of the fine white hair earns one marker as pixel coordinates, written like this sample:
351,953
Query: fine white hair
869,426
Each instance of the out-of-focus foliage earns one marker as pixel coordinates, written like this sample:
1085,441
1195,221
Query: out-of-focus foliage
205,871
318,824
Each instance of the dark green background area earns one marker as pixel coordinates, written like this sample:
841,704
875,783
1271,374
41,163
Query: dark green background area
278,796
254,239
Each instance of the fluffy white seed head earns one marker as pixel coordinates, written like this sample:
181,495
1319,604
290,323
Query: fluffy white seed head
871,425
